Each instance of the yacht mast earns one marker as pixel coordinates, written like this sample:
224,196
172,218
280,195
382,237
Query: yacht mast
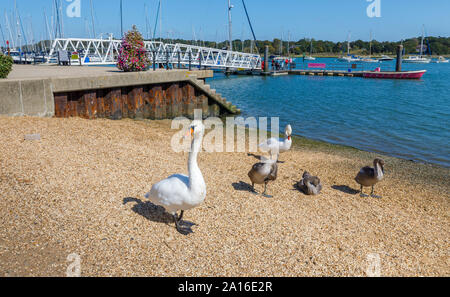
160,20
58,26
348,44
92,16
19,36
147,30
8,24
61,16
49,32
121,20
421,43
230,36
289,39
281,44
3,36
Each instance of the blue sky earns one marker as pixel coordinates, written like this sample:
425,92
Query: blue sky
207,19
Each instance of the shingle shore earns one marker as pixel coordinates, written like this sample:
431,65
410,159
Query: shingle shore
80,190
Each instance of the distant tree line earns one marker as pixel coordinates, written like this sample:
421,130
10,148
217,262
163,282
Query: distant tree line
438,45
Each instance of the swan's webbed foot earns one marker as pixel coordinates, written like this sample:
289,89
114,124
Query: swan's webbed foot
264,194
182,228
362,195
185,230
252,190
373,195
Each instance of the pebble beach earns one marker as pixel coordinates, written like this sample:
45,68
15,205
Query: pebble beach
80,189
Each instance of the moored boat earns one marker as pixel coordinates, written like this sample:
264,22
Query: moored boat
417,60
420,59
349,59
369,60
441,59
395,75
385,58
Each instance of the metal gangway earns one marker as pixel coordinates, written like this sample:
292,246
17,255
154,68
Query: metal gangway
106,51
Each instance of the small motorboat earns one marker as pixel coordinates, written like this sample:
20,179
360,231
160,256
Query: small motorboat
441,59
385,58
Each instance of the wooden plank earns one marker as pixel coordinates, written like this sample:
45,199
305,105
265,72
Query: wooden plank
107,103
147,108
100,103
124,97
90,104
115,96
61,105
173,101
74,103
136,101
156,96
188,100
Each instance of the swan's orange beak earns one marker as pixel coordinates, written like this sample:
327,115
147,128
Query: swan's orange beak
190,132
289,137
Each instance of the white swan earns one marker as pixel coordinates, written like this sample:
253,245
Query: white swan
276,145
181,192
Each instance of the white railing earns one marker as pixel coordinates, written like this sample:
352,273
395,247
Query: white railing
106,51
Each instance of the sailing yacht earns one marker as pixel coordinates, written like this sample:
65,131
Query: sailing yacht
310,57
418,59
369,59
349,58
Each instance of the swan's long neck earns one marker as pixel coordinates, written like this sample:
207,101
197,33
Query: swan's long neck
195,175
287,142
378,171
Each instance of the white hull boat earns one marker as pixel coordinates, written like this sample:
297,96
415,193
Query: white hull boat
440,60
417,60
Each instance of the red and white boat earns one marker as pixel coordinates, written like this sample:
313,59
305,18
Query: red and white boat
395,75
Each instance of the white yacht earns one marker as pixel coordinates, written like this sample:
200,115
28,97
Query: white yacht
310,57
349,58
418,59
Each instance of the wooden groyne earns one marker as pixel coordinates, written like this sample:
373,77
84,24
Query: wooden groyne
103,92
